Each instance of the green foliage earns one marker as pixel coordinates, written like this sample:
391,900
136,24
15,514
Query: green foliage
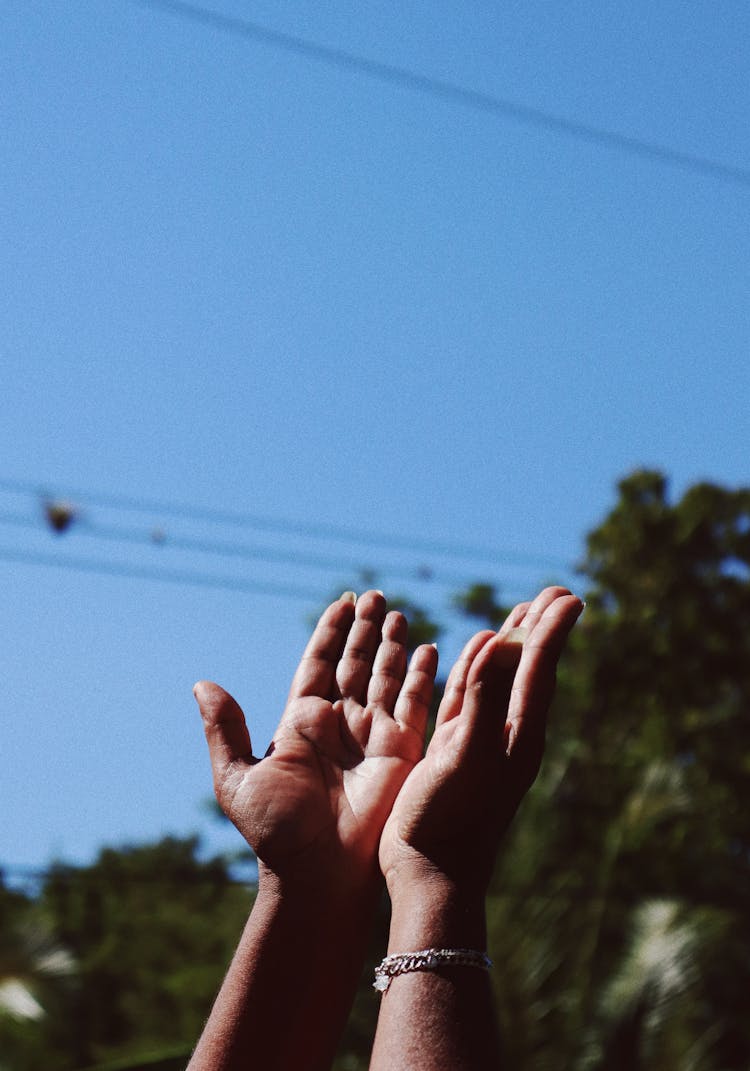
480,601
618,913
147,963
34,976
630,863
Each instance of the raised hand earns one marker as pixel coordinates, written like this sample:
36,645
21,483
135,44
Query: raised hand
439,843
314,807
485,752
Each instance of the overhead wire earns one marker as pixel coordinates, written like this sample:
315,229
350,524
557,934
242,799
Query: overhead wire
339,570
162,541
234,583
170,576
259,522
453,92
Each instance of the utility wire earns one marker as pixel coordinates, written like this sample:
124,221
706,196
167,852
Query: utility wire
237,585
184,577
170,576
286,527
162,542
452,92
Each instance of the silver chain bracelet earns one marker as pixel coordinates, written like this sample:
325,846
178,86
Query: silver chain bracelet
429,959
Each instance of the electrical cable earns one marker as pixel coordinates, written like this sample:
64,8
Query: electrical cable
163,542
238,585
169,576
453,93
286,527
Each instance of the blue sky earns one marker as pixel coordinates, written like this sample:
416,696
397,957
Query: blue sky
243,280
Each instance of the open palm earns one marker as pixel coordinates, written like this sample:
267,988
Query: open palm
353,728
486,749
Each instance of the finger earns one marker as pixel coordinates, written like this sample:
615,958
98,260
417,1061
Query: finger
413,703
537,608
514,618
455,686
489,686
225,729
535,680
389,667
355,666
316,674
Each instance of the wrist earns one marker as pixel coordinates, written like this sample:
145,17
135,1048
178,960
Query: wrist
415,877
436,913
334,902
321,870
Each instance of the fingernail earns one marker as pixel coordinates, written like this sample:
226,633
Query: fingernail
379,592
508,735
349,596
198,691
434,645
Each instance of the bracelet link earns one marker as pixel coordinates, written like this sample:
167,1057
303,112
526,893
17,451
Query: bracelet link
429,959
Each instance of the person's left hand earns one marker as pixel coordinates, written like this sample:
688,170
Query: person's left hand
314,807
448,819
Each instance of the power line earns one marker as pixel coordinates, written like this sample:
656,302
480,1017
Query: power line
341,571
185,578
337,533
161,541
169,576
452,92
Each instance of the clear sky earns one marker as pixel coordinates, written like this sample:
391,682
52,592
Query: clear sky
241,279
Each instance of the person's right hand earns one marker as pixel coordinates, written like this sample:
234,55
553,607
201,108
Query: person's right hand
454,806
314,807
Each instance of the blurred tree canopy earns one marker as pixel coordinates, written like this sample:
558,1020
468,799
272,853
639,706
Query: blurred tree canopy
150,931
618,911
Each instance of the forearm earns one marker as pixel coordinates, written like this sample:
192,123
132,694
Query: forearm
444,1019
289,988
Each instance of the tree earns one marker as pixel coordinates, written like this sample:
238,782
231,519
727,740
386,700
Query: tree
148,962
34,970
618,918
636,829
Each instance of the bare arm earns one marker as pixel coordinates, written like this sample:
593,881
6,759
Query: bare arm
313,810
439,844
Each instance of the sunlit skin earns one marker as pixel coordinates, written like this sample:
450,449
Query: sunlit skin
486,748
353,728
313,809
345,792
439,844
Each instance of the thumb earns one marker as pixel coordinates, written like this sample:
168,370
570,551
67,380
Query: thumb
225,728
